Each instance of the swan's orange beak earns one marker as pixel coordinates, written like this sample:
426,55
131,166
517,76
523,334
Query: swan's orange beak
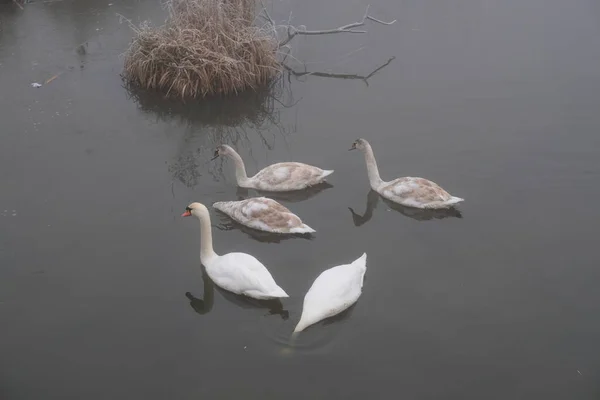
187,213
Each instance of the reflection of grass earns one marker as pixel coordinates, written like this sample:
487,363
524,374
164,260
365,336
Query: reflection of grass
206,47
253,107
231,119
185,169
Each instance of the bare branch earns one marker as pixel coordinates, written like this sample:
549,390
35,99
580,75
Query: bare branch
267,14
270,20
364,78
293,31
380,21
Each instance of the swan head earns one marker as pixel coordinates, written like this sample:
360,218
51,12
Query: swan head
359,144
223,150
195,209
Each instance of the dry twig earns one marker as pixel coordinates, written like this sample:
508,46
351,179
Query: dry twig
349,28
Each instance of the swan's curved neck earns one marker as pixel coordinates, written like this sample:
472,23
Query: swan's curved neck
240,169
206,247
372,169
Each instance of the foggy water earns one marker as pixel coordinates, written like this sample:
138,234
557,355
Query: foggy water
101,291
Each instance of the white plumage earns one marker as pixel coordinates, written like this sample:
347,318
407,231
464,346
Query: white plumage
242,273
332,292
239,273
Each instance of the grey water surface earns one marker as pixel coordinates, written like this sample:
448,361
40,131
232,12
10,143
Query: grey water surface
101,291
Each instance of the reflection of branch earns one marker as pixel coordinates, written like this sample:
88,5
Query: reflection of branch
340,76
293,31
17,2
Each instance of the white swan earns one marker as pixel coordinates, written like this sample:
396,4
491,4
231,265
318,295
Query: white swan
332,292
280,177
263,214
407,191
239,273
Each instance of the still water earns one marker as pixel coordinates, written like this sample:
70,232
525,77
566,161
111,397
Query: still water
101,291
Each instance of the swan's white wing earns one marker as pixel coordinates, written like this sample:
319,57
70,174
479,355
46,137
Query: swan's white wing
242,273
332,292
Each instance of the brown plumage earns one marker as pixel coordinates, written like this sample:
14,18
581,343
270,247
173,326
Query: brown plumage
263,214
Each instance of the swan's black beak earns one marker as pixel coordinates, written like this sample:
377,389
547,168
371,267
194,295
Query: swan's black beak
353,147
215,156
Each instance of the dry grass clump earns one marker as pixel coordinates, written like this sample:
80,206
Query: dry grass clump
206,47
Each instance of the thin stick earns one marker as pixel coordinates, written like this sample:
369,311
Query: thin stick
273,26
293,31
267,14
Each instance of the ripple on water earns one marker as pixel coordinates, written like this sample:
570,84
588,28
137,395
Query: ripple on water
319,338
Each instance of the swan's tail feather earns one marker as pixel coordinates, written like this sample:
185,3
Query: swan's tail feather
361,261
303,229
326,173
278,293
362,258
455,200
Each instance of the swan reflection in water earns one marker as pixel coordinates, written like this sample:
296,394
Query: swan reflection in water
205,305
411,212
294,196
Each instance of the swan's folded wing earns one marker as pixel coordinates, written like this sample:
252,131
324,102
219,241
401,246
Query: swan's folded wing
416,190
334,290
266,214
242,273
257,207
287,173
